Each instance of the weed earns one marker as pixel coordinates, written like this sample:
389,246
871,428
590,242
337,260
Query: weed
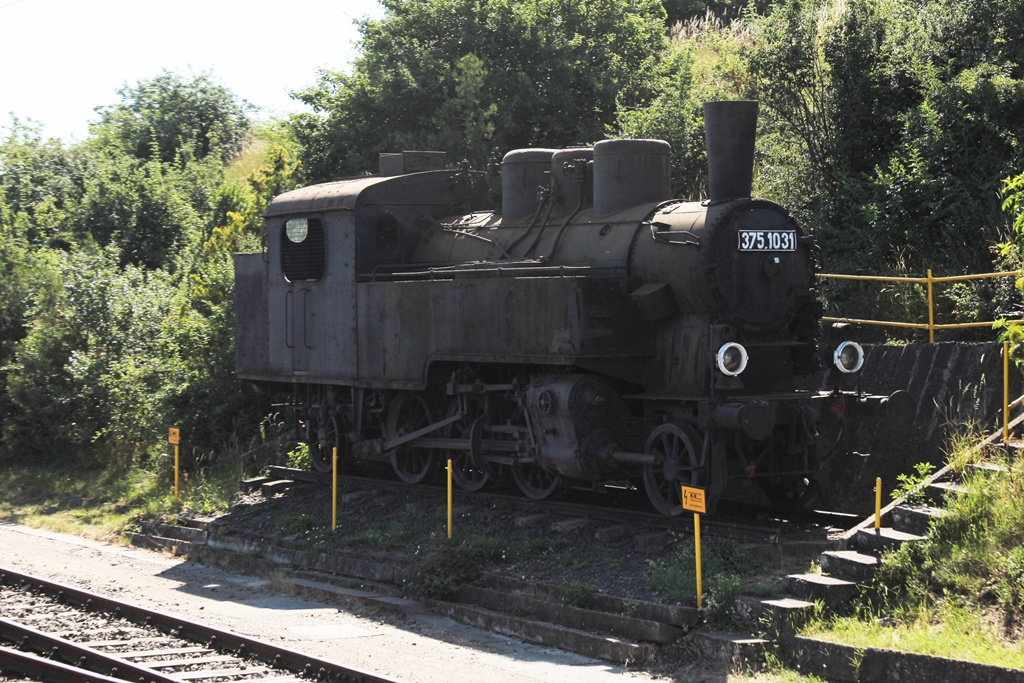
445,564
298,458
301,524
578,594
911,486
729,570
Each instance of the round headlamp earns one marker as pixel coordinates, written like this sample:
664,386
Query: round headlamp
849,357
731,359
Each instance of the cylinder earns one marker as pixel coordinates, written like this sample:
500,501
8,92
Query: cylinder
729,131
523,171
630,172
569,178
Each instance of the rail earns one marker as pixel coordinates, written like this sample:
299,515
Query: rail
930,281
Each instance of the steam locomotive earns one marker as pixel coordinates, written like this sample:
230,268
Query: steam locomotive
559,319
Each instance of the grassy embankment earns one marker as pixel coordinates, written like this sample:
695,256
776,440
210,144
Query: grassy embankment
959,593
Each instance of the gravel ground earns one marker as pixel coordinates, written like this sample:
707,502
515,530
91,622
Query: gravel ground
410,529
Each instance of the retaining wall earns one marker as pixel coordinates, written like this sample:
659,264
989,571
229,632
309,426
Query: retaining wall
954,384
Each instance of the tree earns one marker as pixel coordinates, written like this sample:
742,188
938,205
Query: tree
168,118
705,61
541,72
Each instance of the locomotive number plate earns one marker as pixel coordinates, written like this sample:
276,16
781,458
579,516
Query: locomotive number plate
767,240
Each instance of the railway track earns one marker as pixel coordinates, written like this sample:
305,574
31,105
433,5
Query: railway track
756,526
60,634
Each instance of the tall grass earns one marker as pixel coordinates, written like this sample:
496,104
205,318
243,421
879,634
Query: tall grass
960,592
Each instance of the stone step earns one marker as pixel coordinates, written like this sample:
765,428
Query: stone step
174,546
684,616
567,615
985,468
941,491
915,519
849,565
742,651
359,567
782,614
830,590
873,540
330,591
182,533
550,635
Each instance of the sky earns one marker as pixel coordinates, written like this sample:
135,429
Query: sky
60,59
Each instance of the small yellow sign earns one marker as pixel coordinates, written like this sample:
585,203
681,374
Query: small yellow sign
173,436
693,499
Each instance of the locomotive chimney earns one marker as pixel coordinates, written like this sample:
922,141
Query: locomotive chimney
729,131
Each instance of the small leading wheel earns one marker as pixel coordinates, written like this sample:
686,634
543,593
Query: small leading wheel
466,474
534,481
678,448
408,413
324,438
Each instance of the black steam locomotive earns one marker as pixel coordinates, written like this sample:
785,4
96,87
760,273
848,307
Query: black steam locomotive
559,319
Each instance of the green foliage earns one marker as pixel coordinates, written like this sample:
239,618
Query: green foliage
298,457
726,569
972,552
578,594
117,315
890,126
910,487
705,61
171,119
445,564
539,72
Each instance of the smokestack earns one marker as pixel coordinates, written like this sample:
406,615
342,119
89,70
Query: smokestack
729,132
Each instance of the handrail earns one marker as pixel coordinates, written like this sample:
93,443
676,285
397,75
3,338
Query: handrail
930,280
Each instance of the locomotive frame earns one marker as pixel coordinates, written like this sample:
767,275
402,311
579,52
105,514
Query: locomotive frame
562,320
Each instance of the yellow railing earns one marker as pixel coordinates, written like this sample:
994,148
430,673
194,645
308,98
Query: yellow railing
930,281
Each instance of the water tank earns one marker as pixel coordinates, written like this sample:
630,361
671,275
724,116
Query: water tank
522,172
630,172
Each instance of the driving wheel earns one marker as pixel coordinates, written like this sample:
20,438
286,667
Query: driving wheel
678,449
408,413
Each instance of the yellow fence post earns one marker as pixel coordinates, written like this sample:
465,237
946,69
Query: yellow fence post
174,438
334,490
931,310
878,503
449,498
1006,392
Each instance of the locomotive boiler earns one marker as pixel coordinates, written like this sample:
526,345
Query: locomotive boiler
558,320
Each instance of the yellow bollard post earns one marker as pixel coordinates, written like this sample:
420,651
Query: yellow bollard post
931,310
334,488
700,578
174,438
1006,392
449,498
878,503
177,472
